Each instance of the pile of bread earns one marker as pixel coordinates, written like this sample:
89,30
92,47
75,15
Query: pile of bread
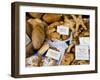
41,27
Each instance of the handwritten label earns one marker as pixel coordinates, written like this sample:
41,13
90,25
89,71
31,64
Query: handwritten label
53,54
81,52
63,30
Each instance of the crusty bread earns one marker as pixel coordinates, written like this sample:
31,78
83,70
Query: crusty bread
38,32
35,15
49,18
38,37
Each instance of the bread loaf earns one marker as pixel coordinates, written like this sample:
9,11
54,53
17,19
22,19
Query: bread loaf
38,33
49,18
35,15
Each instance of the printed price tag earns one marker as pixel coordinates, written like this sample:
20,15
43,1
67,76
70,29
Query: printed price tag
63,30
81,52
53,54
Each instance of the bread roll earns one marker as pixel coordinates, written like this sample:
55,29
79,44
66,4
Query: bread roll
35,15
49,18
67,59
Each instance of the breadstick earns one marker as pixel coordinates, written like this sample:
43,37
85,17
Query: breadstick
44,48
69,23
79,21
70,47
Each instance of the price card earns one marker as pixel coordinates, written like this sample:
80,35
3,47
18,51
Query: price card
53,54
63,30
81,52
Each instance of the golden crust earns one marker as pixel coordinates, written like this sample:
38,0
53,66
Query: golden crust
50,18
67,58
35,15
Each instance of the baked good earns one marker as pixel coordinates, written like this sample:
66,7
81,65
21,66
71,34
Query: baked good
79,62
38,32
50,18
38,37
52,33
67,59
44,48
35,15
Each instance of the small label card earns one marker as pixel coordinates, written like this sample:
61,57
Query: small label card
27,39
81,52
53,54
60,45
63,30
84,40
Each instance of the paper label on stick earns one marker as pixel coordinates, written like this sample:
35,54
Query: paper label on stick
81,52
27,39
63,30
53,54
84,40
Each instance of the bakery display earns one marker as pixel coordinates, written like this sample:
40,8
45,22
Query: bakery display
57,39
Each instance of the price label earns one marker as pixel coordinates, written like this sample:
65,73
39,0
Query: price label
53,54
81,52
63,30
